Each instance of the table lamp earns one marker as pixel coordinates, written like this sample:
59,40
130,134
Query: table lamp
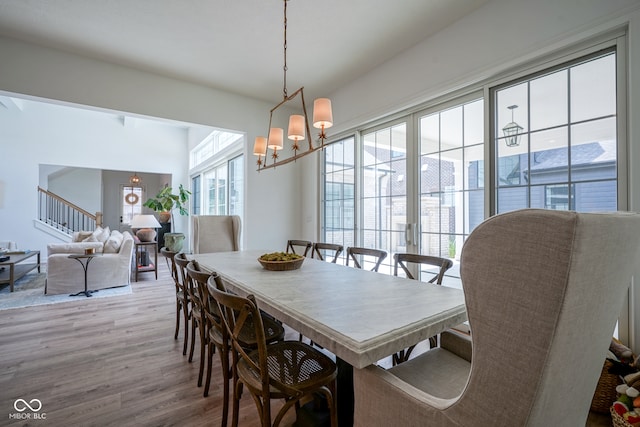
146,225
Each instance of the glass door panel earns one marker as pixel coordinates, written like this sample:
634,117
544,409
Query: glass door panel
384,191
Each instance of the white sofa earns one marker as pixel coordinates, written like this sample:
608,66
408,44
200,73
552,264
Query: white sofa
113,268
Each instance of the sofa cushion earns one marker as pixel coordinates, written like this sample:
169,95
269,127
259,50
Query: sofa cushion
93,237
112,245
99,235
79,236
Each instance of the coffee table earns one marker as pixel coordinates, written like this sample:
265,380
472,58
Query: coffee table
11,270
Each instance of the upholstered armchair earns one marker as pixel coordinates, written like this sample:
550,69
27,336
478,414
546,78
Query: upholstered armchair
543,291
215,233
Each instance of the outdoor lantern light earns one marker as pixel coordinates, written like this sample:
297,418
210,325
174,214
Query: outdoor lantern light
512,131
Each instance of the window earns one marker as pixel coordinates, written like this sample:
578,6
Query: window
131,201
196,195
217,175
212,145
421,181
564,153
338,198
451,178
236,186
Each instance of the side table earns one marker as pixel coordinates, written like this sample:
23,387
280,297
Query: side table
146,247
85,265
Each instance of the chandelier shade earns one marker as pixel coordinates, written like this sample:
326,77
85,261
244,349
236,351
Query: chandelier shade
296,127
275,141
322,114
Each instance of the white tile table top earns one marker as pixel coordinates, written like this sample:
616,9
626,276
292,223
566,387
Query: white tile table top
359,315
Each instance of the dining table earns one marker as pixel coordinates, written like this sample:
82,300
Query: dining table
358,315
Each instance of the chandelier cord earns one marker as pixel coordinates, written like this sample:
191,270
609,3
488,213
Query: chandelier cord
284,87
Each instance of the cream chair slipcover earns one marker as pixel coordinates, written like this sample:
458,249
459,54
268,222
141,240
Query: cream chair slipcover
216,233
543,291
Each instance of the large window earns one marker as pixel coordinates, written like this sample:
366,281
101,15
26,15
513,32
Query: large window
546,138
555,138
217,175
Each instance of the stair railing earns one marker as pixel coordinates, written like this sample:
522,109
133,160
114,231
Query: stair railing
64,215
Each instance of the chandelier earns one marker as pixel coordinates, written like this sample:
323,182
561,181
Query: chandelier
298,129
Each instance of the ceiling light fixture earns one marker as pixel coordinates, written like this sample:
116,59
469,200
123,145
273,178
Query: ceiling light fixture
298,129
512,130
134,180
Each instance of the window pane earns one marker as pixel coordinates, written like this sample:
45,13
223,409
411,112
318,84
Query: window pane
599,196
339,194
451,128
548,98
236,186
593,150
510,199
430,134
451,170
474,167
549,158
195,195
474,123
508,97
593,89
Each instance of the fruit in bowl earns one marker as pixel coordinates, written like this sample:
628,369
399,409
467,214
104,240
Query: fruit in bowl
281,261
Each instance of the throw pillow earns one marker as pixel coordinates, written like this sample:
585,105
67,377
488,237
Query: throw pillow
113,243
94,236
102,237
79,236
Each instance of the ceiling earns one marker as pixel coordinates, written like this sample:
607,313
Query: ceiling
236,45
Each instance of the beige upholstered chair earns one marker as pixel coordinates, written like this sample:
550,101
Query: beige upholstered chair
543,290
215,233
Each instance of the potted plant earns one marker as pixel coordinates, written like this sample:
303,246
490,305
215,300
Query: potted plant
166,202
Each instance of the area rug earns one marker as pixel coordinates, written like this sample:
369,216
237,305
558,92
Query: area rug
29,290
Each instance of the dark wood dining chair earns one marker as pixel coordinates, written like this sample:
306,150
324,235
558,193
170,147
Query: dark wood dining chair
355,252
304,246
178,271
195,277
288,370
404,261
219,337
322,250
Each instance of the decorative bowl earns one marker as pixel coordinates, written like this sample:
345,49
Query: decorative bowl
287,265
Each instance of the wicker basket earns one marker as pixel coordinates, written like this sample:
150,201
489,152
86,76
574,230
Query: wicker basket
605,393
282,265
617,420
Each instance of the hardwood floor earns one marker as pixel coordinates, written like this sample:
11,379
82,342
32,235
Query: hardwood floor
110,361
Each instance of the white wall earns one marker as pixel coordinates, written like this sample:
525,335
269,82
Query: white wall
82,187
33,71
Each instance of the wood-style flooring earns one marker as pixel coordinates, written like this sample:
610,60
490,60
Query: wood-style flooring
108,362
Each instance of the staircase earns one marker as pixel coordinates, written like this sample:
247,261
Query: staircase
62,217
